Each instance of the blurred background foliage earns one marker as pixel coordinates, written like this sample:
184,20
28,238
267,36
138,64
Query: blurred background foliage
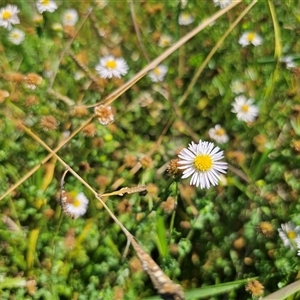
217,235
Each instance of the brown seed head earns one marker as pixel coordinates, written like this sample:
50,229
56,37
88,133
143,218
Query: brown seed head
238,156
48,123
174,249
15,77
32,80
80,111
266,228
152,189
70,240
104,114
255,288
102,180
124,206
130,160
168,206
69,31
118,293
185,225
146,162
31,100
49,213
135,265
89,130
172,169
260,142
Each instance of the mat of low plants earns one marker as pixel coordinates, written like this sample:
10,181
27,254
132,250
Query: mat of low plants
149,149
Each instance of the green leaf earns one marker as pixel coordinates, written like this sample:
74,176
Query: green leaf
209,291
284,292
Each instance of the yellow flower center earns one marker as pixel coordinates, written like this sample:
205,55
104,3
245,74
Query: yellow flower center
251,36
185,17
291,234
69,17
45,2
76,203
6,15
111,64
220,131
156,71
15,35
165,42
245,108
203,162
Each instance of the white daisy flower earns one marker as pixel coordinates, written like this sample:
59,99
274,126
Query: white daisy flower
185,19
222,3
110,66
288,61
158,74
290,234
8,16
238,87
218,134
70,17
245,110
74,205
16,36
164,41
201,161
250,37
45,5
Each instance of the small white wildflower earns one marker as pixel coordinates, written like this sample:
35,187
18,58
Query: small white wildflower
45,5
238,87
110,66
201,161
250,37
185,19
245,109
218,134
76,205
290,234
158,73
8,16
222,3
16,36
70,17
288,61
164,40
